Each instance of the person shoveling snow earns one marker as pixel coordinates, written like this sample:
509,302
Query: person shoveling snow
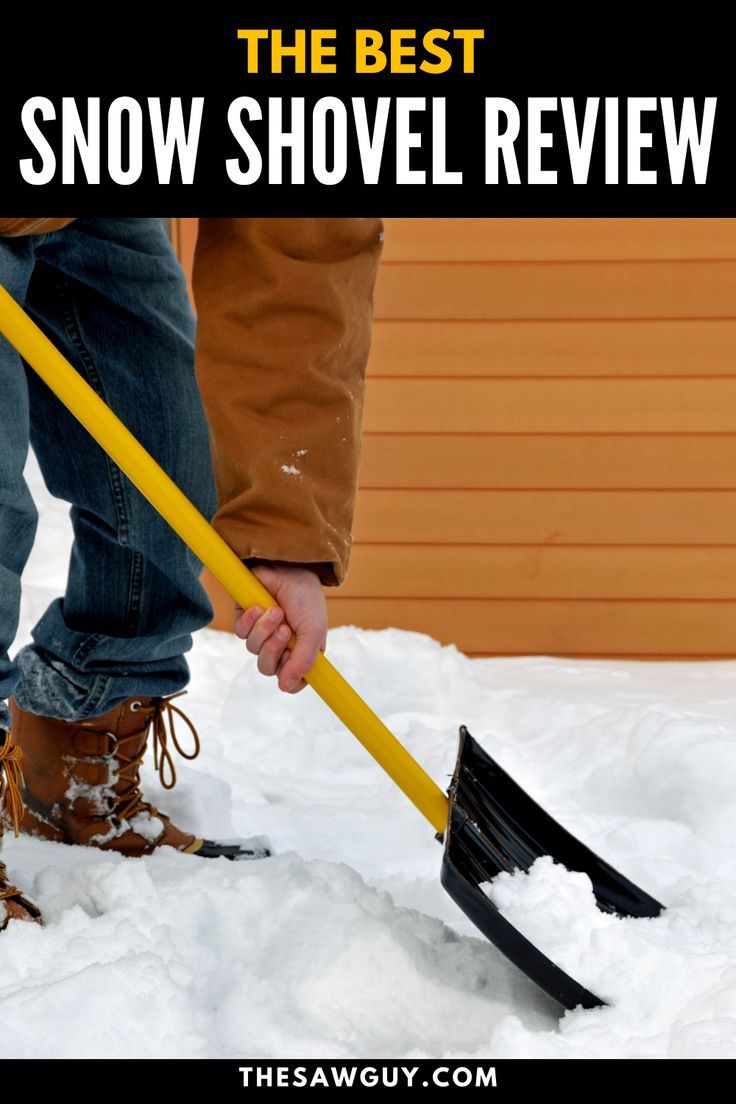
486,821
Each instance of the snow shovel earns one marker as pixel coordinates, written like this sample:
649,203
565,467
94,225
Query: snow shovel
487,822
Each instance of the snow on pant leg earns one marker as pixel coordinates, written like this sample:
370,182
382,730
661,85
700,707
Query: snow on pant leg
17,512
111,294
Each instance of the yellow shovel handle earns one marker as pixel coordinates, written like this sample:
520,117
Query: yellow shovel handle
153,482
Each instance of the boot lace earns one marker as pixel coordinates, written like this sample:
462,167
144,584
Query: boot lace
11,780
7,889
158,718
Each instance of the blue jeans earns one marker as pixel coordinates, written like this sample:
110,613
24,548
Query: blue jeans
111,295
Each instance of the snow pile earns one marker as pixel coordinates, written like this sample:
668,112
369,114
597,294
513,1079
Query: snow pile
176,958
555,908
670,981
344,944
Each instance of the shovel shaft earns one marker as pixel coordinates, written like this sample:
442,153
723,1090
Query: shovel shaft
193,528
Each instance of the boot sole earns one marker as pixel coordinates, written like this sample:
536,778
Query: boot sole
247,850
235,850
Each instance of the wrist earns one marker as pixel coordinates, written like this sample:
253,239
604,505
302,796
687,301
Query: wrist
323,571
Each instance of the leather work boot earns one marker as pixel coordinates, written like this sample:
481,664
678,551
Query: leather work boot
82,780
13,904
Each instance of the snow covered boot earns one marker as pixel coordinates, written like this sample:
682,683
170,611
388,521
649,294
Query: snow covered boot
82,780
13,904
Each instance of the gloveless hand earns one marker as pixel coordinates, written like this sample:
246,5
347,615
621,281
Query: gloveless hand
301,609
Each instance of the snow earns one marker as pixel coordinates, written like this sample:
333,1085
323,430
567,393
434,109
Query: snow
344,944
289,469
147,826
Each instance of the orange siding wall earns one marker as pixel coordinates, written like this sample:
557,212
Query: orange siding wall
550,438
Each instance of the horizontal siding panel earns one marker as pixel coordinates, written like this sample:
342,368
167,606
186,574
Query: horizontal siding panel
474,571
548,348
547,517
552,406
517,461
570,239
681,630
701,289
555,627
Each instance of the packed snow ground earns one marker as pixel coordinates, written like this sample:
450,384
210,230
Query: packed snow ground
344,944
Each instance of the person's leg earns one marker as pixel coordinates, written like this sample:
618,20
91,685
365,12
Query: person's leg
111,295
106,657
17,530
18,515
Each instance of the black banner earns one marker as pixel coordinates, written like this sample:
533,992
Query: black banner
234,1079
467,111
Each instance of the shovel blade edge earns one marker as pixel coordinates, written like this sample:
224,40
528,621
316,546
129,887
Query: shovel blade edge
495,826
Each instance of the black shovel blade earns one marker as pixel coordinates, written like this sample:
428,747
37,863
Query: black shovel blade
494,826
